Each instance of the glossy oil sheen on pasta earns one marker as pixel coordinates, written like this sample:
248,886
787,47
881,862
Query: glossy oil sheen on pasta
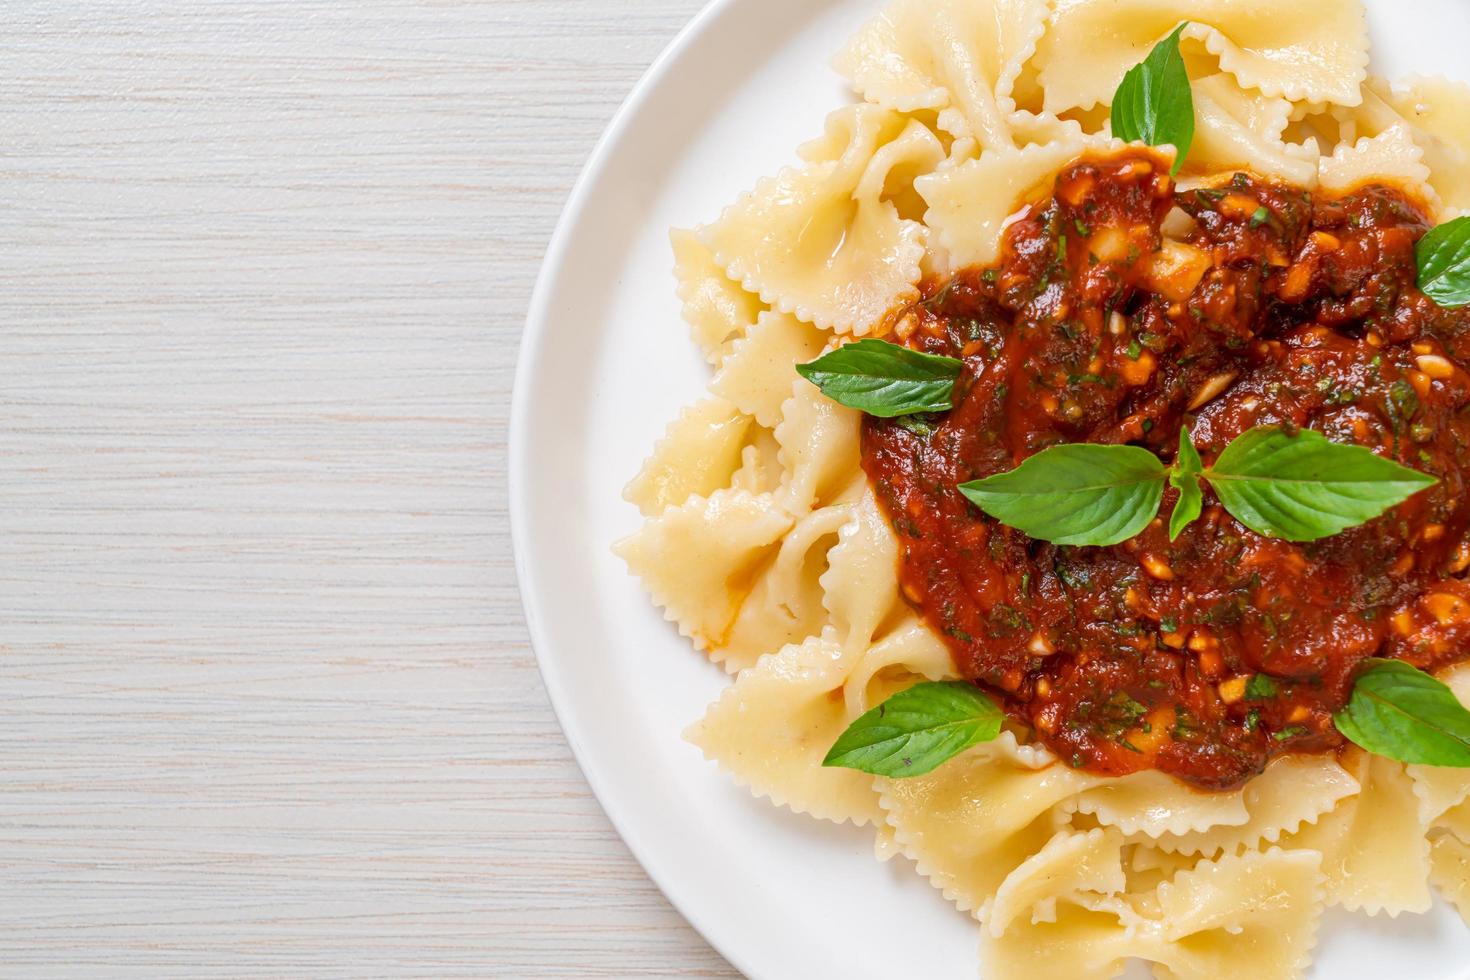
766,547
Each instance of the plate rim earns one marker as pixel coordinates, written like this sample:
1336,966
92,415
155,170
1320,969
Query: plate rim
528,361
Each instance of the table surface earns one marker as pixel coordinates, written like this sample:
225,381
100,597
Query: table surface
267,705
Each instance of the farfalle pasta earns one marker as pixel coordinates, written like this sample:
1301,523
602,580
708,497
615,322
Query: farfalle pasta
771,729
1392,155
786,603
1238,127
969,204
823,241
1437,112
1306,52
1292,792
956,58
1375,855
970,823
773,544
818,449
1242,917
745,377
701,452
718,311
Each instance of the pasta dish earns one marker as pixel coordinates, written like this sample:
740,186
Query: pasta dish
1079,499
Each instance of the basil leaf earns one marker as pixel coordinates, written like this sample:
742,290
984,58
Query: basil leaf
1444,263
1302,487
917,730
884,379
1154,103
1402,713
1078,494
1184,477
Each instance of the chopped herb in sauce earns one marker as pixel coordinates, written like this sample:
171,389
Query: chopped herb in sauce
1260,688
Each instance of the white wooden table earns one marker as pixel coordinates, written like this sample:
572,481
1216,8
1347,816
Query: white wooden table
266,701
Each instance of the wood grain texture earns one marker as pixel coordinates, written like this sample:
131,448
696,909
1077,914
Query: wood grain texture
267,706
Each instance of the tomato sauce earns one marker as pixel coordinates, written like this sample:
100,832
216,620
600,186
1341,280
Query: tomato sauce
1263,305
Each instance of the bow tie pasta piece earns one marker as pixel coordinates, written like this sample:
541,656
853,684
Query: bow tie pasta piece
837,567
1042,128
1151,804
909,653
860,586
717,310
1239,128
1078,943
1315,125
1147,867
969,823
1303,50
820,449
1070,868
1373,847
760,464
959,58
1238,918
826,242
885,844
758,374
1241,918
1441,789
969,203
786,604
1437,112
700,452
773,727
697,560
1456,820
1449,863
1391,156
1372,116
1294,790
1377,142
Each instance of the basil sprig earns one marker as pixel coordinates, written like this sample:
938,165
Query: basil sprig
1444,263
1403,713
884,379
1293,485
917,730
1154,103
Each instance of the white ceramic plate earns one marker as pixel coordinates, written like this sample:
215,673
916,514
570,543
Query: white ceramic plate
606,363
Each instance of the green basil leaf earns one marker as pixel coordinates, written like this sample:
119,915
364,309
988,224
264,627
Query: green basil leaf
1154,103
1078,494
1302,487
1184,477
884,379
1260,688
1444,263
1402,713
917,730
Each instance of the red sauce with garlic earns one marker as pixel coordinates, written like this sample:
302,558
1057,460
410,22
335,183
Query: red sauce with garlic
1207,656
